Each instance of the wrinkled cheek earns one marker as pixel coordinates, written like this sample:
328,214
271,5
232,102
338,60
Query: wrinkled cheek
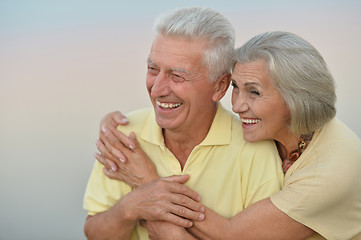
149,84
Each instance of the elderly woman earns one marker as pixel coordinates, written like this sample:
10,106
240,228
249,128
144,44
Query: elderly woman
282,90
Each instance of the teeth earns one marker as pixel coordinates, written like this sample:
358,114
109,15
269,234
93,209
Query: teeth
168,105
250,120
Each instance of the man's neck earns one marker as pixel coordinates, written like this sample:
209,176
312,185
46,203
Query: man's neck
181,143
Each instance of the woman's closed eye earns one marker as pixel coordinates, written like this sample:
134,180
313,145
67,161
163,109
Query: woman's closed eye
255,92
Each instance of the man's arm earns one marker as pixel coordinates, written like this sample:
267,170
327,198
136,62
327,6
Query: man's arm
165,199
262,220
114,223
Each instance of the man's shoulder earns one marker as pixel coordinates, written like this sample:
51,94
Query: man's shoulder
137,120
140,114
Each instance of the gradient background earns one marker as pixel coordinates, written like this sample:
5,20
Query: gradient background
64,64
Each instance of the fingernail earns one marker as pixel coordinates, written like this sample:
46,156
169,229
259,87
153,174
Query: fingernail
202,217
124,120
203,209
131,146
122,160
113,169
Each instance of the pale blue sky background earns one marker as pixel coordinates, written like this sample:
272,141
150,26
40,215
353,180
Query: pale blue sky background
64,64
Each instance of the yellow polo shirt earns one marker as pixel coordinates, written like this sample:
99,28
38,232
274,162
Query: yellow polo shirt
229,173
322,189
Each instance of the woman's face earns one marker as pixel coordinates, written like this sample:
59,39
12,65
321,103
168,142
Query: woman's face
259,104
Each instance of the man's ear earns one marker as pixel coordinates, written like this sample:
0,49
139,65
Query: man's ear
221,86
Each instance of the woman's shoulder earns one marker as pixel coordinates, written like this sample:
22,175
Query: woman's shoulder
334,150
337,137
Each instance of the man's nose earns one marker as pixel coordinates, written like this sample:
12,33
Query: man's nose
161,86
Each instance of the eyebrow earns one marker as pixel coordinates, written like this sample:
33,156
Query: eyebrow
179,70
252,83
247,83
150,62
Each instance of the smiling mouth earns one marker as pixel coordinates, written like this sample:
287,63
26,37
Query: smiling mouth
168,105
250,121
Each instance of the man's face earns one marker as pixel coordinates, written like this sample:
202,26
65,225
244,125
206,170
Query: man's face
178,84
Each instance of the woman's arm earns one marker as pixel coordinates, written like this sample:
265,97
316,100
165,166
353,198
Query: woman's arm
262,220
161,230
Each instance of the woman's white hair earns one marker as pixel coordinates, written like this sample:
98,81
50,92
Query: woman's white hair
202,23
300,73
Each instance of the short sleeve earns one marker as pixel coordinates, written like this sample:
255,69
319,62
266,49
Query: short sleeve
101,192
264,175
324,196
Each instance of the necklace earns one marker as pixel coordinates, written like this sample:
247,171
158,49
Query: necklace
294,155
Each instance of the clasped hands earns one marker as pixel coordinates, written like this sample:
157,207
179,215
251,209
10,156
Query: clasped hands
154,198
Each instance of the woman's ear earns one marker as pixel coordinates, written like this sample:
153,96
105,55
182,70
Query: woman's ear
221,86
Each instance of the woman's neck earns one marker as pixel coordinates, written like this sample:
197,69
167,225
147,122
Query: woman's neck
287,144
290,143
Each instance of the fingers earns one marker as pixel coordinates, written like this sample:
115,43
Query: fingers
101,160
120,139
186,208
108,164
177,178
133,142
182,200
182,222
110,147
108,121
105,153
120,118
111,174
180,188
112,165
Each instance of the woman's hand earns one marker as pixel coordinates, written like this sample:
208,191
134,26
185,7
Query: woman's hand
122,157
108,142
159,230
137,170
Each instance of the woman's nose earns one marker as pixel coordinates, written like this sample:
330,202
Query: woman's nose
239,104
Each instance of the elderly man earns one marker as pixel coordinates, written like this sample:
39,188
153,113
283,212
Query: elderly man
186,132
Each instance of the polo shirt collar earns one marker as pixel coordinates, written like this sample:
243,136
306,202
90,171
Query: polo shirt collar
219,133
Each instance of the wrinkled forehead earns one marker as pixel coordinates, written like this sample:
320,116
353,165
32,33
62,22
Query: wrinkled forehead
176,52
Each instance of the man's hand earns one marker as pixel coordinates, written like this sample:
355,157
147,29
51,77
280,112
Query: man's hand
165,199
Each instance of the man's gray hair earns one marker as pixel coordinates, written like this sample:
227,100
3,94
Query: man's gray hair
202,23
300,73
